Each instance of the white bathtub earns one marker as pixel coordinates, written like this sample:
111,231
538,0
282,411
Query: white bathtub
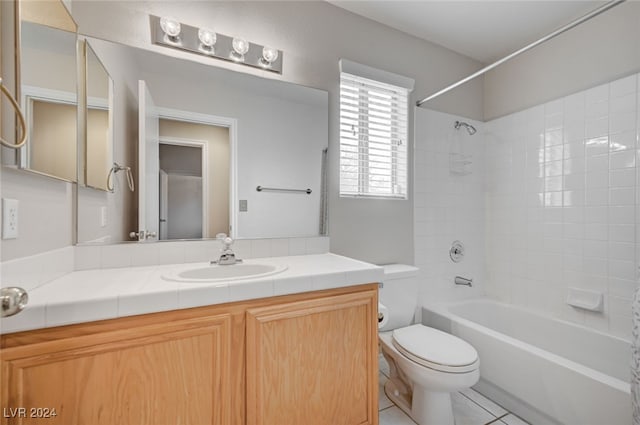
547,371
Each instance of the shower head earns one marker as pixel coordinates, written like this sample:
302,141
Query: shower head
470,129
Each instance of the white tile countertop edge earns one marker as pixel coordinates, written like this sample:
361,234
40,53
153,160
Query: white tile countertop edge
88,295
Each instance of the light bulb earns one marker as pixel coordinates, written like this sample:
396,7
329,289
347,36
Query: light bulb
240,47
269,55
171,27
207,37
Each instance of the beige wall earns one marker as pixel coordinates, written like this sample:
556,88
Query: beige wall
53,139
97,148
600,50
47,12
217,139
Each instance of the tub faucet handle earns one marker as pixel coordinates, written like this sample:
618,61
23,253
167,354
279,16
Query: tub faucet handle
456,253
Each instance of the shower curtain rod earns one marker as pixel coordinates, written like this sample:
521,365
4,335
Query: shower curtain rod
547,37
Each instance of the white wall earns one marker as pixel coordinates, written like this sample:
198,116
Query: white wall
562,194
449,204
314,36
47,58
45,212
597,51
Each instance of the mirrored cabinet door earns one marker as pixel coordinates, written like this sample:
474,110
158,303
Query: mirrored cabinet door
98,158
49,88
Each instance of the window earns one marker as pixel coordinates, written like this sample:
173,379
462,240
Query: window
373,138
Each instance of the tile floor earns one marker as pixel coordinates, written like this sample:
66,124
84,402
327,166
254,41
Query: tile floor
469,407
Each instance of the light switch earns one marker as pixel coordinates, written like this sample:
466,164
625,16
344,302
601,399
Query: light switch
243,205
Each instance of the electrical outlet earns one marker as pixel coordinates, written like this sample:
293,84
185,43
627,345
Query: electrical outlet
9,218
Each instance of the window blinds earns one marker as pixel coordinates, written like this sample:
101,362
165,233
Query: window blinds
373,138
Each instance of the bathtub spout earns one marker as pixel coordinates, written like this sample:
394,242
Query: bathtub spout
459,280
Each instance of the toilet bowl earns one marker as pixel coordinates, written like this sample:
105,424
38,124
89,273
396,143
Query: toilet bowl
426,365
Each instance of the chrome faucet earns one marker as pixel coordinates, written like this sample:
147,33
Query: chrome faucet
227,256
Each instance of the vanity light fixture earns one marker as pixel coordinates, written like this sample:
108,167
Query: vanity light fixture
207,39
171,27
169,32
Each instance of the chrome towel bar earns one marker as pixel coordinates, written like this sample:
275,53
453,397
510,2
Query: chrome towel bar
276,189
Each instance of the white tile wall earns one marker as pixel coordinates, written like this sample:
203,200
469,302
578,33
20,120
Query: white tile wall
448,205
136,254
31,272
562,193
35,270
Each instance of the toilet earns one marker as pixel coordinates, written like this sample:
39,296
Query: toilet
425,364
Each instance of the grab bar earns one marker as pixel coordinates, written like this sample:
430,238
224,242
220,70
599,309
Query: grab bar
276,189
23,124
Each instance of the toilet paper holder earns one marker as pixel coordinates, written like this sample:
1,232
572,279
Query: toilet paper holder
383,315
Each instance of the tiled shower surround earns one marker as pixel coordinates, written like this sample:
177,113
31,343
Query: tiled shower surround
558,194
448,204
561,187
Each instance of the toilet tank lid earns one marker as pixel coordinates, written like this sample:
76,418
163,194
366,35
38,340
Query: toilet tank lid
398,271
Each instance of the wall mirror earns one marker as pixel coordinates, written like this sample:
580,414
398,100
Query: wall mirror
48,88
207,138
98,150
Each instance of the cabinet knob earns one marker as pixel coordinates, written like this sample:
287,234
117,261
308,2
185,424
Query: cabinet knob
12,300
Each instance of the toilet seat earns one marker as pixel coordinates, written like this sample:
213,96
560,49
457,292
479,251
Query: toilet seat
435,349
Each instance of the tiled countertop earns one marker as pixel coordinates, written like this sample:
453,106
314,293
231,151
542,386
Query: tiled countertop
85,296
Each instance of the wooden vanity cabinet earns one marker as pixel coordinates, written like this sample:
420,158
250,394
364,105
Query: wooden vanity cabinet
313,361
167,372
298,359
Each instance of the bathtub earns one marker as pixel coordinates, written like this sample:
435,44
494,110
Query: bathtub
545,370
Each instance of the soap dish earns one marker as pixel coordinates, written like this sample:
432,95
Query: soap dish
585,299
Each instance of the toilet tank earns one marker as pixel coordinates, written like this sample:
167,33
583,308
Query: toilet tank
399,293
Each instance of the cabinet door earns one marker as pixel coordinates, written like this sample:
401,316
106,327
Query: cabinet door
175,372
313,362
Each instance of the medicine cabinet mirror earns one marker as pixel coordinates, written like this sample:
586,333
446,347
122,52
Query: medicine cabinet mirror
48,88
98,155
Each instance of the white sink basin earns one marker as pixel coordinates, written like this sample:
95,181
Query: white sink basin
216,273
